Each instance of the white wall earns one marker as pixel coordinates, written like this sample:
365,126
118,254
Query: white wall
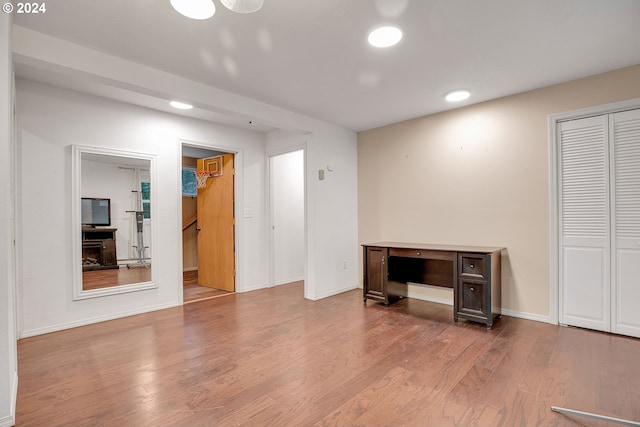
287,213
331,206
50,120
8,362
332,239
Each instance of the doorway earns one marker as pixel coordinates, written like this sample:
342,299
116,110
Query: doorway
208,231
287,213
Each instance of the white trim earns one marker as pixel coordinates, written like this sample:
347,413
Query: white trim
413,292
554,242
554,238
528,316
97,319
286,281
614,107
10,420
190,269
76,230
430,298
115,290
505,312
254,288
331,293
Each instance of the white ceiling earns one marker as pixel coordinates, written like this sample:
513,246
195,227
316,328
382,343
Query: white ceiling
312,57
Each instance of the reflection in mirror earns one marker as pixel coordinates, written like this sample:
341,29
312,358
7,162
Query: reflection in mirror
115,218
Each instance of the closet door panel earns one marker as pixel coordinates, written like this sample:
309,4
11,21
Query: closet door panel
585,223
585,298
627,320
626,221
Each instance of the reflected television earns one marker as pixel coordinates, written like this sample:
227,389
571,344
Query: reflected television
95,212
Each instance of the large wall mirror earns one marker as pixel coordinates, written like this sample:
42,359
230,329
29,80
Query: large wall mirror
113,226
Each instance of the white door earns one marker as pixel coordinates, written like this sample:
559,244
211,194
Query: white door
584,223
286,189
626,207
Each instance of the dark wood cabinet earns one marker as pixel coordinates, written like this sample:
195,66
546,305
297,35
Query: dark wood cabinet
478,291
375,274
99,249
473,273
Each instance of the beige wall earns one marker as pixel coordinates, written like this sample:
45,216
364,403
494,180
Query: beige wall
478,175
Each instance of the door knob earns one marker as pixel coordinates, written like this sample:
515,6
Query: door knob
198,228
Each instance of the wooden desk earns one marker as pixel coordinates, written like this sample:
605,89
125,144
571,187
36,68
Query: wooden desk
473,272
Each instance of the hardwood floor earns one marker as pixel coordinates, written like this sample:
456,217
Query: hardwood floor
193,292
97,279
272,358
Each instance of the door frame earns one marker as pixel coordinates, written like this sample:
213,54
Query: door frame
300,146
238,197
554,202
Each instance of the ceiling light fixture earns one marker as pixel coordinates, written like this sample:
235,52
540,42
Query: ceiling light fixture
180,105
457,95
243,6
195,9
385,36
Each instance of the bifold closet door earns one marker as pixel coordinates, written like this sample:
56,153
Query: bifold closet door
584,223
626,221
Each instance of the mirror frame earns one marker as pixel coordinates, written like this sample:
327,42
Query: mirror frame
76,223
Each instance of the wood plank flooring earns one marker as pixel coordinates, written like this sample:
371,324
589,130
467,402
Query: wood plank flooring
272,358
193,292
97,279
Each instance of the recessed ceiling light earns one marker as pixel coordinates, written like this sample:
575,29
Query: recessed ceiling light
180,105
385,36
195,9
457,95
243,6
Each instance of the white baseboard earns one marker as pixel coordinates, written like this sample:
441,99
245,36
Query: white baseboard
285,281
83,322
190,269
504,311
528,316
252,288
10,419
331,293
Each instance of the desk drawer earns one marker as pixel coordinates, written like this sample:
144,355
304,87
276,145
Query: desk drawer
472,265
420,253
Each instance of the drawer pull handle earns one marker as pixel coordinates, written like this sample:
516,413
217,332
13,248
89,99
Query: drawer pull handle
472,289
418,253
472,266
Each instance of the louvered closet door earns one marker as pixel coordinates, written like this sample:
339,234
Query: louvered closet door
626,207
584,223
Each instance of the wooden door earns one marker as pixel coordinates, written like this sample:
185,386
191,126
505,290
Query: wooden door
216,248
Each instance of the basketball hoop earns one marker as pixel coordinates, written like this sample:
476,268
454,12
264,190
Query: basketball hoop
201,178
